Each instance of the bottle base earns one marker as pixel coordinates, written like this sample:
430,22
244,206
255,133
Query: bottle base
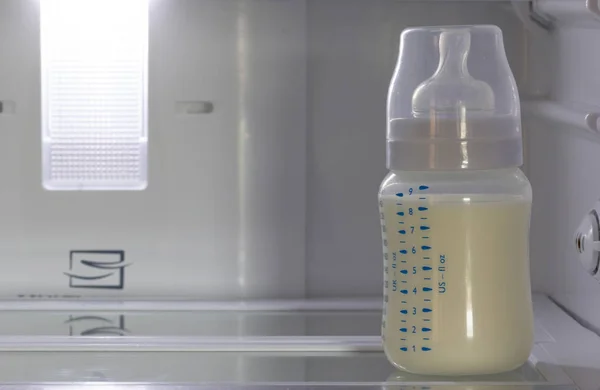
457,366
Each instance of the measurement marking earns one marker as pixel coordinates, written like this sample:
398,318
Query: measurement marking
401,223
426,329
404,311
425,247
403,261
402,339
403,301
423,188
404,271
404,349
405,292
426,268
426,320
404,251
425,228
426,289
425,349
426,338
426,237
403,330
402,320
404,281
401,214
427,258
424,219
423,209
427,300
402,232
398,204
399,194
427,310
423,198
427,278
402,242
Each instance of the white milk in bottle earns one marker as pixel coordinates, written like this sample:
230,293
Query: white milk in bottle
455,208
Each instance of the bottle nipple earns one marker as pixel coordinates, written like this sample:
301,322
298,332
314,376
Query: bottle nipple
452,91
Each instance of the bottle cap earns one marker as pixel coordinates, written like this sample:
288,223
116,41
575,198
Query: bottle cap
453,102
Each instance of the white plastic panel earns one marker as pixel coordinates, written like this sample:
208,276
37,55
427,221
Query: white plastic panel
266,150
226,196
94,94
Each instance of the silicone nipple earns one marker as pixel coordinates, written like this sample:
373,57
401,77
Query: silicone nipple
452,91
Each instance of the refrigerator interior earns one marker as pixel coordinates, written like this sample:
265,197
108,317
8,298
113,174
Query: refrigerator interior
255,249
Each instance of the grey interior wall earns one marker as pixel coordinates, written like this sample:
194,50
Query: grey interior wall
224,212
271,195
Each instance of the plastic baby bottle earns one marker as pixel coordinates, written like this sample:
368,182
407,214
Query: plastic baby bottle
455,208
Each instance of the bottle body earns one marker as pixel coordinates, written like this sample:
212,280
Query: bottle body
456,271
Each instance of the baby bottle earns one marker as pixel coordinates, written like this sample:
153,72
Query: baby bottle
455,208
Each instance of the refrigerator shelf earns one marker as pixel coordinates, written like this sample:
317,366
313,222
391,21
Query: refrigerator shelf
301,344
252,370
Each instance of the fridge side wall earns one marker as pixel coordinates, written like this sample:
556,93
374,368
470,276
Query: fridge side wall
563,162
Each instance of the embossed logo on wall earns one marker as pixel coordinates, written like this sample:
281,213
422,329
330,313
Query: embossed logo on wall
103,269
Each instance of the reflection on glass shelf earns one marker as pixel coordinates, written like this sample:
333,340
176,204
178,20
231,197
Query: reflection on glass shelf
196,323
347,331
234,368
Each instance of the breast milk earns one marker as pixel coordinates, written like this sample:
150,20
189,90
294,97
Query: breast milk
456,272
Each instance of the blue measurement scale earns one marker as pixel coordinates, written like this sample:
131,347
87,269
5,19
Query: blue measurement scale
413,269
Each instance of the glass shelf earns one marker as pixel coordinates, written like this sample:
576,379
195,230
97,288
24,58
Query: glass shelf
255,345
295,325
232,368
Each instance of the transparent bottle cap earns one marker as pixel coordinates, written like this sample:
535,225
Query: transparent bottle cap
453,102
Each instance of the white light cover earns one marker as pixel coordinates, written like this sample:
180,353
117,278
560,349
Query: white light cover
94,94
